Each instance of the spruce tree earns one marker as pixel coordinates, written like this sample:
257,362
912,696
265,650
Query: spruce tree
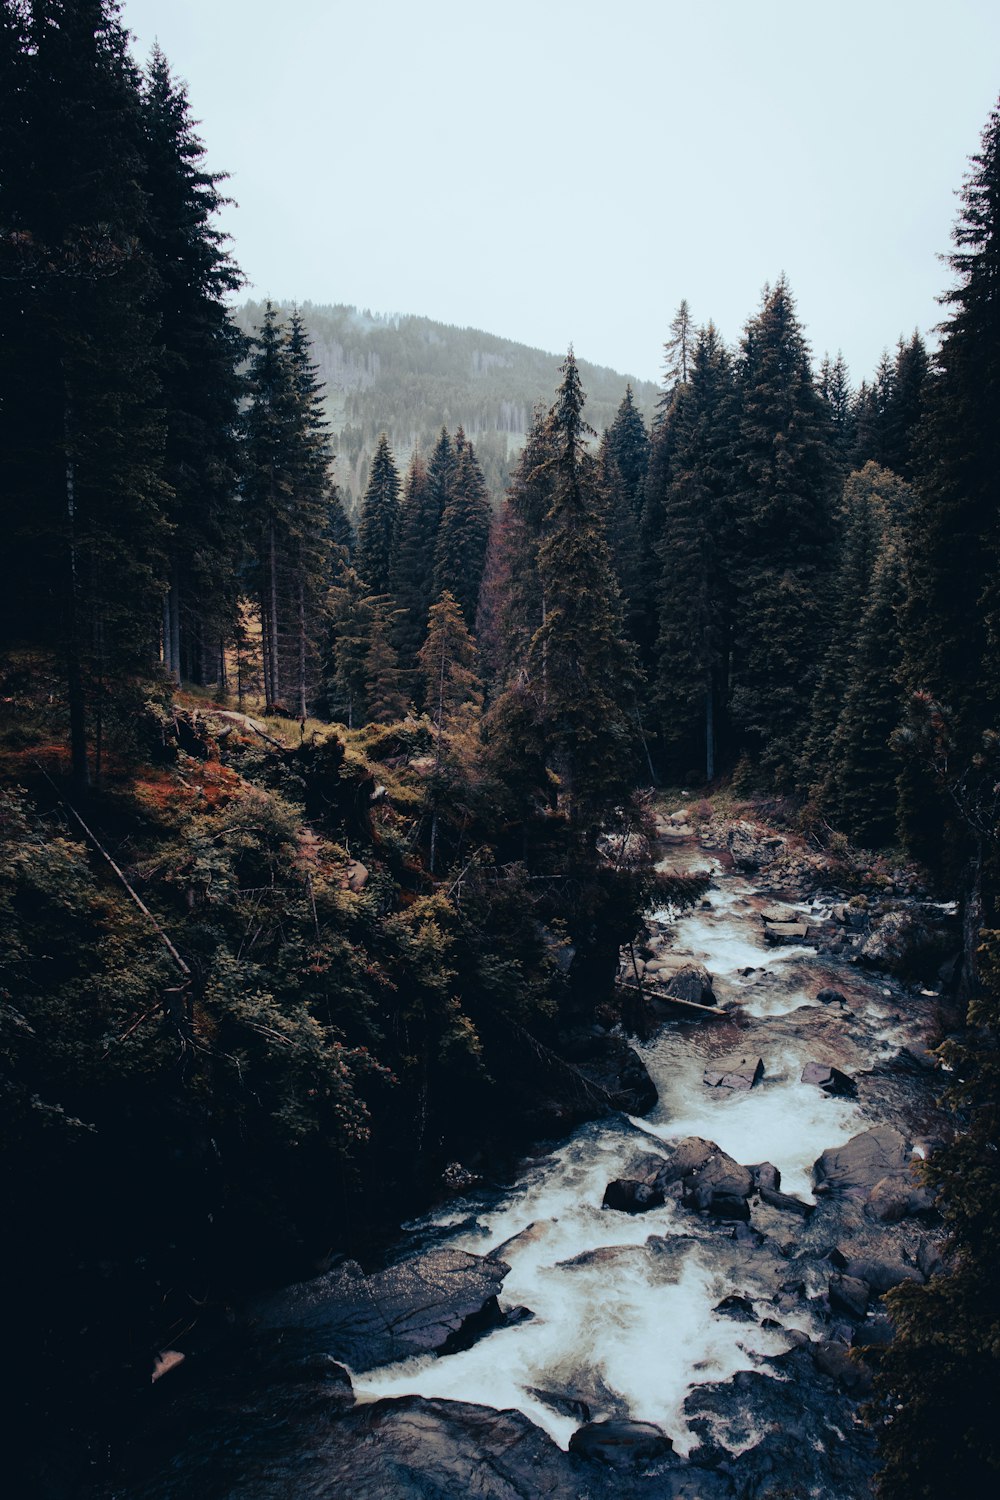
624,458
199,351
81,431
453,698
696,552
783,514
460,550
378,526
678,350
413,564
582,667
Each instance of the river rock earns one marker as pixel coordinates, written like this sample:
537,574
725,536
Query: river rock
628,1196
898,1197
849,1294
765,1175
895,942
851,1373
785,932
735,1073
854,1169
623,1445
830,997
787,1202
828,1078
710,1181
415,1307
779,914
692,982
750,848
880,1275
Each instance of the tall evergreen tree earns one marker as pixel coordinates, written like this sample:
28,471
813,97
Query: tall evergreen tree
413,563
200,350
906,407
81,430
678,350
784,517
453,698
624,458
460,552
582,667
951,620
378,526
696,597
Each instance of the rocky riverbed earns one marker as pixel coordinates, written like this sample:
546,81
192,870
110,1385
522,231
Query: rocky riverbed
664,1306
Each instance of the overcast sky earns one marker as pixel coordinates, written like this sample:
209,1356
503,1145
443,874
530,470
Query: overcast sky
565,171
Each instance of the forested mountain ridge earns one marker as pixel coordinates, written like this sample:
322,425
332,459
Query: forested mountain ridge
409,376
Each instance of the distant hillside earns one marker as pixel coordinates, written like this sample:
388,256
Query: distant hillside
410,376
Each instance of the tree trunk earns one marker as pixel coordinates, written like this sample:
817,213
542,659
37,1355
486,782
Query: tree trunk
74,673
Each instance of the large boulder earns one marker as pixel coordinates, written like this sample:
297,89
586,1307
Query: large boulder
751,848
692,982
706,1179
621,1444
628,1196
896,942
828,1078
854,1168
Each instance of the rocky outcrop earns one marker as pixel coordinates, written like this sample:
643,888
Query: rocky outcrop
414,1307
737,1073
691,982
830,1079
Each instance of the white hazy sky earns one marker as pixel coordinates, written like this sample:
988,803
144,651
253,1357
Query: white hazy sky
567,170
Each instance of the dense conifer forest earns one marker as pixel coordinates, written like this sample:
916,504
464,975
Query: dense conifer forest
308,792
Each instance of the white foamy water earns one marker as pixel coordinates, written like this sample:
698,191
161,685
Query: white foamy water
616,1324
624,1305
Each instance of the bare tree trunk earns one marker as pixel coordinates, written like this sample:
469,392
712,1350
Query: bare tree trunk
273,622
74,673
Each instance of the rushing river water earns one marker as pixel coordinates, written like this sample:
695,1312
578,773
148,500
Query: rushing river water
626,1309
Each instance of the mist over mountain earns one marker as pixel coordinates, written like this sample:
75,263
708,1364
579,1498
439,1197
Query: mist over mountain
410,376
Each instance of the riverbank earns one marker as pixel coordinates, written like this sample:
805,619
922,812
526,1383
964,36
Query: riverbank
523,1334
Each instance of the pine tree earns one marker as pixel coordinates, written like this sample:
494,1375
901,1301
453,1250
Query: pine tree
624,458
783,515
200,350
351,612
385,690
679,347
413,564
583,670
81,432
453,699
377,530
905,410
848,760
460,552
696,552
835,389
951,619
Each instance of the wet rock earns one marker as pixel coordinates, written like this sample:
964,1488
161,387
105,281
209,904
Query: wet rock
881,1275
609,1062
929,1262
849,1294
787,1202
750,848
828,1078
735,1073
830,997
737,1307
710,1181
623,1445
779,914
565,1405
692,982
411,1308
628,1196
854,1168
765,1175
785,932
851,1374
898,1197
725,1206
897,941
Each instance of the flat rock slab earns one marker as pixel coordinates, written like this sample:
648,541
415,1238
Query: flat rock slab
828,1078
774,914
735,1073
785,932
411,1308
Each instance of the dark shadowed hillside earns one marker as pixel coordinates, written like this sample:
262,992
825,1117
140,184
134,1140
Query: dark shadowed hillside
409,376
